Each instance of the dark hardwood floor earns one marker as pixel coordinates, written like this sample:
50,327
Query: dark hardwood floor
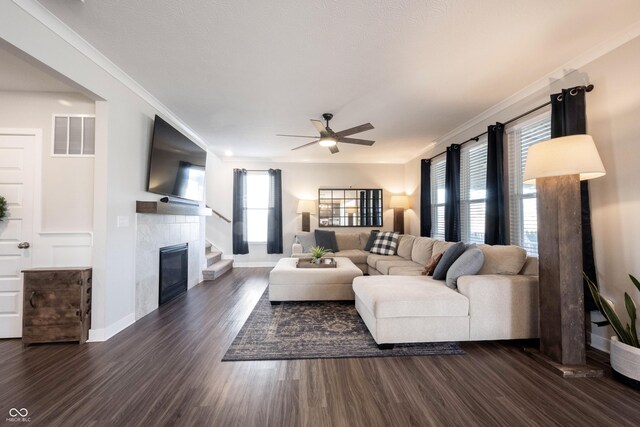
166,370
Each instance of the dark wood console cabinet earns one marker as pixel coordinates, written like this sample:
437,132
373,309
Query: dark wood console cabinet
57,305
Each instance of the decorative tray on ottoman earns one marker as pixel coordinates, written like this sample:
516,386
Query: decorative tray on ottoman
324,263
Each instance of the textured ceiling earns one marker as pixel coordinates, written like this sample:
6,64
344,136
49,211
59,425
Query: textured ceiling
240,71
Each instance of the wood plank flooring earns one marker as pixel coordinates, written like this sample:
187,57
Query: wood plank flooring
166,370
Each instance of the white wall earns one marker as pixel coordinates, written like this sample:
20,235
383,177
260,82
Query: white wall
67,182
123,131
613,119
299,181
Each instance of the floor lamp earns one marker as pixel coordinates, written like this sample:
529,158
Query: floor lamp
399,203
305,207
557,166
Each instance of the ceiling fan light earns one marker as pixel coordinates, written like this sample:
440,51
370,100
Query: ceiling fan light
327,141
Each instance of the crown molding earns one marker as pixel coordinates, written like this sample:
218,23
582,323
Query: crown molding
580,61
53,23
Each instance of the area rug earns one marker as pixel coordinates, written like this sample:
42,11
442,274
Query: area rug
315,330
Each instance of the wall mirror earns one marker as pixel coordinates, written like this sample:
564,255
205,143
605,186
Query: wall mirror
349,207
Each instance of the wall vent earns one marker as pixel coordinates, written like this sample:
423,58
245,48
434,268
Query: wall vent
74,135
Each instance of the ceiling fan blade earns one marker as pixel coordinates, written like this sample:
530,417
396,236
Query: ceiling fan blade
333,149
305,145
298,136
356,141
357,129
319,127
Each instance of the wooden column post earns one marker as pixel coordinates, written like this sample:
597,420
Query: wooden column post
306,221
398,220
562,329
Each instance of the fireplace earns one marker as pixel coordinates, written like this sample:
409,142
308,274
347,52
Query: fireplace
174,272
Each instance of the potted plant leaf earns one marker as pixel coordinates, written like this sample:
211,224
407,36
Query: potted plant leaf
3,208
317,252
625,347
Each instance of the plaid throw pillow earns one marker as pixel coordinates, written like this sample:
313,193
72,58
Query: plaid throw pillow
386,243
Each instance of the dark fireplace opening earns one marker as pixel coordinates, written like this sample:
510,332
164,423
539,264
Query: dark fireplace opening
174,274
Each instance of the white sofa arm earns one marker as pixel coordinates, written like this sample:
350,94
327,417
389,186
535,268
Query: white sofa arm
501,307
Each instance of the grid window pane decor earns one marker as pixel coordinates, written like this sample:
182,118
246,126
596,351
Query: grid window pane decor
438,168
522,197
257,206
473,191
74,135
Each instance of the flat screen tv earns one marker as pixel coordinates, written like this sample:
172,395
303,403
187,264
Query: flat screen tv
176,165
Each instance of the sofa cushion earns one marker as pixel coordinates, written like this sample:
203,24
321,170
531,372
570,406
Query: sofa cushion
449,257
357,256
371,238
406,271
430,266
383,265
307,239
405,245
422,250
386,243
327,240
440,246
373,259
467,264
404,296
502,259
348,241
530,267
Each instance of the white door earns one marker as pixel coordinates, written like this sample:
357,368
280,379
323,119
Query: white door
17,169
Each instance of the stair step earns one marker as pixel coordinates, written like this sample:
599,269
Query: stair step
207,246
213,257
218,269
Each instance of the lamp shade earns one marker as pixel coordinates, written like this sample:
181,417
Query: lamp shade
399,201
567,155
306,206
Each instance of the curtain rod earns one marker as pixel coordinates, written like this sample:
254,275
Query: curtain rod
588,88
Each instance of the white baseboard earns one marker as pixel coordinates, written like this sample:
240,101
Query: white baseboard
254,264
600,343
98,335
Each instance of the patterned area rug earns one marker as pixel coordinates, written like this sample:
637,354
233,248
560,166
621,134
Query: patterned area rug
315,330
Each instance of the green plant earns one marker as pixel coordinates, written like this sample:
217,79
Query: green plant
3,207
317,252
626,334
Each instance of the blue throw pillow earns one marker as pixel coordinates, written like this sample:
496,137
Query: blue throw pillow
327,239
448,258
372,239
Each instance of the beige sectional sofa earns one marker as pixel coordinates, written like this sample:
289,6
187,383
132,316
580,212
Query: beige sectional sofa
399,305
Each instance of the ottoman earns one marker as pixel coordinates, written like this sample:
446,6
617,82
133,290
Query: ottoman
288,283
408,309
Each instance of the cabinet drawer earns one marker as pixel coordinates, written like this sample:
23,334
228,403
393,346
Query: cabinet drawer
57,279
58,333
52,307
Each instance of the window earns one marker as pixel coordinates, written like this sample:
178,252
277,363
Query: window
473,191
257,206
74,135
437,198
522,197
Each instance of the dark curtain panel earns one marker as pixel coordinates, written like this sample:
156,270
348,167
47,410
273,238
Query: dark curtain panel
239,222
425,197
376,220
274,222
495,222
568,117
363,209
452,194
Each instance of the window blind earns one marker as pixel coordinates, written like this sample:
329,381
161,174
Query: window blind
523,218
473,183
437,198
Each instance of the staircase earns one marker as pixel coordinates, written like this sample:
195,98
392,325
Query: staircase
216,266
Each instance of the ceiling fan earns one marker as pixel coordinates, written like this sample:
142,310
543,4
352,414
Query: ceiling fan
329,138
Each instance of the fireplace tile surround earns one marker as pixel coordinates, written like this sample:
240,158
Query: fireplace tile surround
153,232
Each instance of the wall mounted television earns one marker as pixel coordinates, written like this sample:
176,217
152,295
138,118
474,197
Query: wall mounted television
176,164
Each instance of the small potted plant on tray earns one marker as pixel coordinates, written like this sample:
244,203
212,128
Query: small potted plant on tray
625,347
3,208
317,252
